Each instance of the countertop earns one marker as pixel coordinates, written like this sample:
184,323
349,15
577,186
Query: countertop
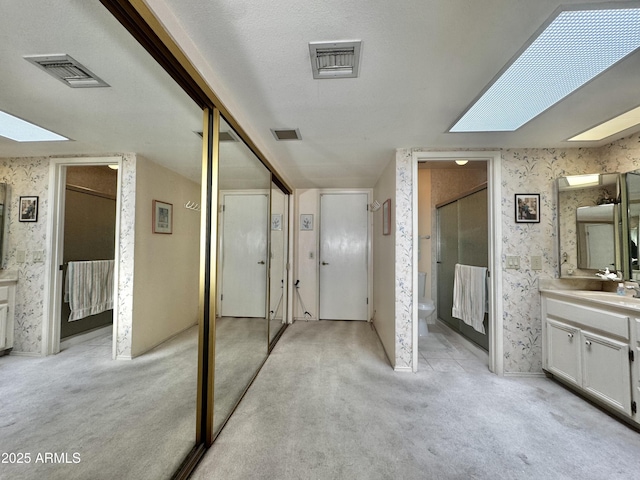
596,298
8,276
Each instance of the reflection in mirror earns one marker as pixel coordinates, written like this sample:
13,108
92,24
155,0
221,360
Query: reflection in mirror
633,209
4,198
133,416
589,224
277,272
242,279
595,231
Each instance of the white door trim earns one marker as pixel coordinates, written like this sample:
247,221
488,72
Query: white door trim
341,191
494,182
55,241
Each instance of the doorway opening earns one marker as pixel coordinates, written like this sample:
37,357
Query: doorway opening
447,240
88,246
83,230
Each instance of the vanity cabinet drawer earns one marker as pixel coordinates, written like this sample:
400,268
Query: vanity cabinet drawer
591,318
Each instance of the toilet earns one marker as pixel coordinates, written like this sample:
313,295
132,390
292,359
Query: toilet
425,305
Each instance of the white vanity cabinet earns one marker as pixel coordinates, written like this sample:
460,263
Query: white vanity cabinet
7,302
587,345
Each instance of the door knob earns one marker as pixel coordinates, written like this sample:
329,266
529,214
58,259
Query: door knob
570,335
325,263
587,343
261,262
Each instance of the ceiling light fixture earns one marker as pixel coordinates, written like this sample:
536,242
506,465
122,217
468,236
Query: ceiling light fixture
610,127
575,47
22,131
583,180
462,162
335,59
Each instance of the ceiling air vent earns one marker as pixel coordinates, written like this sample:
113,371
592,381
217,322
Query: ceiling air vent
286,134
224,136
67,70
335,59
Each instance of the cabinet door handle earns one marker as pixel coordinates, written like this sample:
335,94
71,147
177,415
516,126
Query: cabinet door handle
261,262
587,343
325,263
570,335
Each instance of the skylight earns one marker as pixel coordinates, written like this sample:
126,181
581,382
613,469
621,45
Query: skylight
23,131
575,47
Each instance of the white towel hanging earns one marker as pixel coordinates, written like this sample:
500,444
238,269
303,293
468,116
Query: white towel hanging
470,295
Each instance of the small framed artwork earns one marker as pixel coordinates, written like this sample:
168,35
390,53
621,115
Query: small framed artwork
527,207
28,209
276,221
306,221
386,217
162,217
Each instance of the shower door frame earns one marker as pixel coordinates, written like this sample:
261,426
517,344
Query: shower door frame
494,179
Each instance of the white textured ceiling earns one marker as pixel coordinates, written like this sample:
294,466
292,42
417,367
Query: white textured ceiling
143,110
423,63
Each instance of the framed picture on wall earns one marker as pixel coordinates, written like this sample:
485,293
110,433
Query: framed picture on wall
306,221
28,209
386,217
527,206
162,217
276,221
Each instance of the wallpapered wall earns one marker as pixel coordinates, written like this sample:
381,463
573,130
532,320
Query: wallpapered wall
27,177
523,171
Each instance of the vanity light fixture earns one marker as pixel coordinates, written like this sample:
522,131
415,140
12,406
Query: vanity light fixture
610,127
22,131
462,162
574,47
583,180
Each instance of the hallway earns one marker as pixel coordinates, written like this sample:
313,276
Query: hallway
327,405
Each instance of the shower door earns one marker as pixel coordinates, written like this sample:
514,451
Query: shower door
463,237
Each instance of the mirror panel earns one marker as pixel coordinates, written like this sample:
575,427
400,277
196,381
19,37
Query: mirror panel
4,197
241,327
277,272
134,416
632,182
589,224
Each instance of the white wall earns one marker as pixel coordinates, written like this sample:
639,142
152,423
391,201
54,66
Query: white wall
165,299
306,245
384,260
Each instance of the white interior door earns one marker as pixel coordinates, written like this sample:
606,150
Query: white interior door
344,256
244,255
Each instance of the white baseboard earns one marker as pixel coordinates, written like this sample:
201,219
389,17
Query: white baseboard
83,337
524,374
13,353
403,369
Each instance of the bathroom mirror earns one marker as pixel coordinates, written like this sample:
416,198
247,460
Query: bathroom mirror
589,224
4,197
277,271
632,183
241,325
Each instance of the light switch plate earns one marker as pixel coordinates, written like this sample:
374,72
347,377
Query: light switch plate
21,256
513,262
536,262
